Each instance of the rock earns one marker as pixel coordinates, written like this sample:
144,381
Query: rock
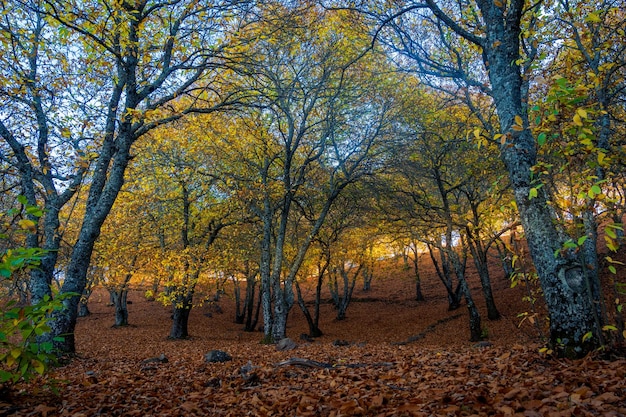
483,344
160,359
246,369
339,342
217,356
306,337
286,344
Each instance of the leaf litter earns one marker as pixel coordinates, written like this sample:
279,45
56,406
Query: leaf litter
383,370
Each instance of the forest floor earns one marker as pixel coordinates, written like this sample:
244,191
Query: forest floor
391,356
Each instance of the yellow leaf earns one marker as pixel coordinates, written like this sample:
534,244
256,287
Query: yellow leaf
577,120
38,366
477,133
517,128
518,120
582,113
26,224
593,18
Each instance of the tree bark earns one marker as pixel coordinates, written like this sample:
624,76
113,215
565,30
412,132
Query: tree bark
83,309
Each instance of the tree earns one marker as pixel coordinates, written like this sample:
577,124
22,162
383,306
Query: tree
317,116
429,189
133,60
35,85
496,34
116,257
341,251
179,212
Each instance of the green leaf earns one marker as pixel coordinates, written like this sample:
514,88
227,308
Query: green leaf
5,376
581,240
596,189
541,139
610,233
612,269
569,245
587,336
35,211
532,193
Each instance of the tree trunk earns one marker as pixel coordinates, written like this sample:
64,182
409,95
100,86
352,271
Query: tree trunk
333,286
250,322
180,317
314,330
506,258
83,309
348,289
591,266
476,332
419,296
454,300
121,307
368,276
280,314
562,277
240,313
265,271
156,282
474,315
479,254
